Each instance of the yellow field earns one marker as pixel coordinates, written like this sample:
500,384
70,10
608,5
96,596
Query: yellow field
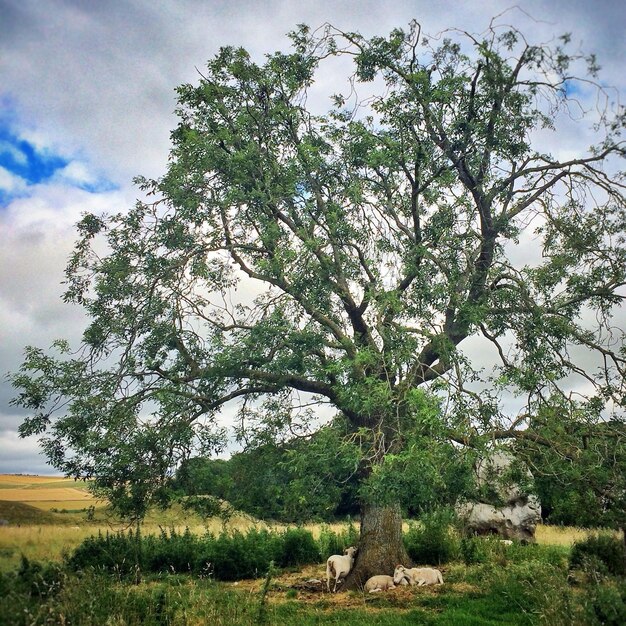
560,535
29,479
47,492
30,496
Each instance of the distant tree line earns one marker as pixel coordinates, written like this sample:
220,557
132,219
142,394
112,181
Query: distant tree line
580,480
317,477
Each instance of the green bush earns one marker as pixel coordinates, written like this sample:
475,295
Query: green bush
606,605
236,556
122,553
473,550
173,552
434,540
298,548
226,557
329,543
602,553
40,579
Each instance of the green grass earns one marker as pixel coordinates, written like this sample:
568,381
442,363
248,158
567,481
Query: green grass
181,600
531,587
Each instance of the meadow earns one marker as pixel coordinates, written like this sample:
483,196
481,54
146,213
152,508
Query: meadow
485,582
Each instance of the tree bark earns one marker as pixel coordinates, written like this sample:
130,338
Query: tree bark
380,546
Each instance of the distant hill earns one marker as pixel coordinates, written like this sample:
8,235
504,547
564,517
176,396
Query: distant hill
20,513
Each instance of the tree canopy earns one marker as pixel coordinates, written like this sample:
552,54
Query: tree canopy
290,257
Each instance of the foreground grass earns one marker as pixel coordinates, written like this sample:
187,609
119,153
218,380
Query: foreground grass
531,588
181,600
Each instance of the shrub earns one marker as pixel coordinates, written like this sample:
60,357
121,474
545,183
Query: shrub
122,553
473,550
601,554
40,579
606,605
227,557
433,541
173,552
298,548
329,543
239,556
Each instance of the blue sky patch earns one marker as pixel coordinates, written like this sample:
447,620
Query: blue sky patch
23,162
22,159
574,88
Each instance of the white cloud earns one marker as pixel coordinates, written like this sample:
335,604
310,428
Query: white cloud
11,183
77,173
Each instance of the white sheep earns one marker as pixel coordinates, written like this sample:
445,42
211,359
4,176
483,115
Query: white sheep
338,566
381,582
417,575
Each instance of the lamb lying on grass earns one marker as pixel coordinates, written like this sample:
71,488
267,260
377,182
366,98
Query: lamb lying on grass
417,575
338,566
378,583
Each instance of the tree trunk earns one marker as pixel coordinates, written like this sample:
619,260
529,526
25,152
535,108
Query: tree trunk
380,547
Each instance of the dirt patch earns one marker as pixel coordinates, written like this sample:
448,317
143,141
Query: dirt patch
308,586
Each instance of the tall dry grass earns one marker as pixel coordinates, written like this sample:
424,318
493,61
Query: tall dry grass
564,535
50,541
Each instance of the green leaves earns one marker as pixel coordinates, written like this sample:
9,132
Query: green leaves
581,476
347,256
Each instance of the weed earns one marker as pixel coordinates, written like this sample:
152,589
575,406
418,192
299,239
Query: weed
298,548
262,617
472,550
538,590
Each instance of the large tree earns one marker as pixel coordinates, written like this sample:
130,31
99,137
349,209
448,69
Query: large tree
291,257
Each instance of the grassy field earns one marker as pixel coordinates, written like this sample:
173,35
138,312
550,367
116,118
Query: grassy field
522,586
48,517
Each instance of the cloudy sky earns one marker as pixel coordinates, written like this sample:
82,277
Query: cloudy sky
87,100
